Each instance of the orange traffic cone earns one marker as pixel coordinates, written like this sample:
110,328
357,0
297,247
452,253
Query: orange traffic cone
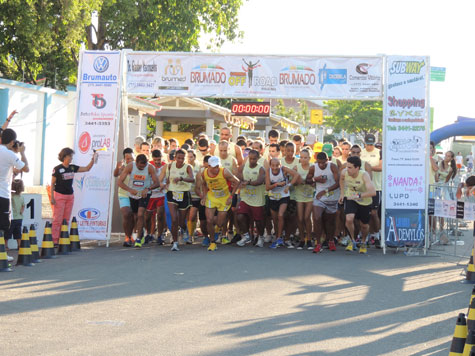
24,252
470,275
64,243
35,253
47,247
460,334
4,265
74,235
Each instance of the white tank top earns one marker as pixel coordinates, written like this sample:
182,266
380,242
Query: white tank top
139,180
327,172
157,192
278,192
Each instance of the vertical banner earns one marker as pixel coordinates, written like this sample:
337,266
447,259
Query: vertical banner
96,130
406,125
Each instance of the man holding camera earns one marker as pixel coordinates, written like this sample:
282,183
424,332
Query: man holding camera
9,161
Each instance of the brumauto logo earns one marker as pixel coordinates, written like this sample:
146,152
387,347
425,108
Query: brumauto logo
101,64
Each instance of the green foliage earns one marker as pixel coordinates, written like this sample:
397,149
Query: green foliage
302,115
354,116
41,39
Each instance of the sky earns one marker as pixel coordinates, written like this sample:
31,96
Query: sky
442,30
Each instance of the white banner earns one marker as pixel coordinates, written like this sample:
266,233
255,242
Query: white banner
406,125
232,76
96,129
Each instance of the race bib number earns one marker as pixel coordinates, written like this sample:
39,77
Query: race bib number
178,196
274,196
219,193
251,191
138,183
308,192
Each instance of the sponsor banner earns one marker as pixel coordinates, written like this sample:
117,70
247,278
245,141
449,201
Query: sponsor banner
406,118
404,227
96,121
195,75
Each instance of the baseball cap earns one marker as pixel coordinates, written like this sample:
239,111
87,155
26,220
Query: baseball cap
214,161
317,147
212,142
328,149
370,139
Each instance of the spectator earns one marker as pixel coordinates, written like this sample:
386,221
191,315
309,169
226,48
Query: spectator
459,160
137,143
18,207
62,194
469,160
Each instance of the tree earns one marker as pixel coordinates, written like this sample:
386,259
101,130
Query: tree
165,25
354,116
41,39
302,115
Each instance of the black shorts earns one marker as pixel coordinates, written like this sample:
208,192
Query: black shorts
291,209
362,212
184,203
4,214
135,204
196,203
275,204
376,201
234,203
15,230
267,206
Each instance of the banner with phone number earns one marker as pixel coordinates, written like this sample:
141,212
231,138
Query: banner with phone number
96,130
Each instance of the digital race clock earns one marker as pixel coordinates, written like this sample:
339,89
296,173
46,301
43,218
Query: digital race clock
250,108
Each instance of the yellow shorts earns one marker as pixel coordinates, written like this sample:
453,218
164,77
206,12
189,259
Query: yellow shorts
219,204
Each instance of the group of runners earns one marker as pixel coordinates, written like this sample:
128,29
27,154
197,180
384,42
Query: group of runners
294,193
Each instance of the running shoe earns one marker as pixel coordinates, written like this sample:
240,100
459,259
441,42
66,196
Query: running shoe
127,242
269,238
186,238
225,241
371,240
331,245
301,245
260,241
217,237
317,249
236,238
245,239
363,248
277,243
139,242
288,244
345,241
308,245
212,247
175,247
205,242
325,244
355,246
377,243
349,247
10,258
147,239
159,240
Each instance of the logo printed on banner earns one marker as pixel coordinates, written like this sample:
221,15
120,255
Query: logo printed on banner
98,101
132,66
84,142
89,214
331,76
250,69
173,74
237,79
297,75
362,68
92,183
101,64
413,144
406,67
208,74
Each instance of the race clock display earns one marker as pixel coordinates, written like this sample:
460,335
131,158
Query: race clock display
250,108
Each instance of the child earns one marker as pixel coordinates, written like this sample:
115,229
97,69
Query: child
18,206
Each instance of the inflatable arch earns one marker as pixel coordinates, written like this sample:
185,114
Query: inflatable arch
463,126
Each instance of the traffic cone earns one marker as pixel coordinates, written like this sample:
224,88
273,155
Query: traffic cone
460,334
4,265
35,253
24,252
47,247
471,316
64,243
470,275
74,236
469,343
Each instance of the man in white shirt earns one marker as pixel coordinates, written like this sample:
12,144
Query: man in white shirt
8,161
459,160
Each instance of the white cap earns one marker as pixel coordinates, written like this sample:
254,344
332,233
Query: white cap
212,142
214,161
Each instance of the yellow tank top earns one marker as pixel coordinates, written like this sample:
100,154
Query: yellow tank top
373,160
303,192
252,195
121,192
290,166
174,172
217,186
356,185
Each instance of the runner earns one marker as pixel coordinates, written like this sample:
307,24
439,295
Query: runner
289,160
145,149
279,196
356,193
203,150
326,176
298,142
218,198
345,151
142,180
179,180
155,213
124,201
233,150
195,198
273,137
304,196
251,205
202,195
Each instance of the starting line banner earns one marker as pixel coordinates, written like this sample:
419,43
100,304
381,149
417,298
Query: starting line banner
232,76
96,130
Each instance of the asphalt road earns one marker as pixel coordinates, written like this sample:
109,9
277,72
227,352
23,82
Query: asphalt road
236,301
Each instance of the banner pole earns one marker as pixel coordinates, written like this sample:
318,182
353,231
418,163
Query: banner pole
383,188
427,158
